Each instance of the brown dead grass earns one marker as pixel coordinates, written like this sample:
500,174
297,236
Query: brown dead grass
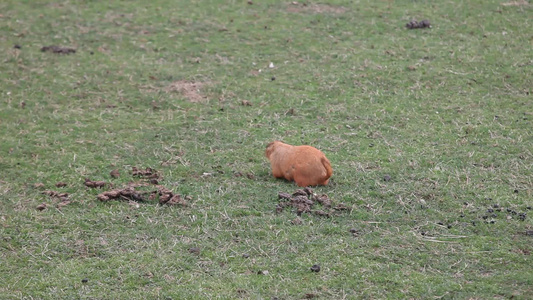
188,89
315,8
516,3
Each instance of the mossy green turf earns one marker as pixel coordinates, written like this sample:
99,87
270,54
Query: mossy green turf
445,112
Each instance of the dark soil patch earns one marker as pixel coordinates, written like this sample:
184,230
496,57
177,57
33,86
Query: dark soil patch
414,24
138,191
304,200
147,173
133,192
58,49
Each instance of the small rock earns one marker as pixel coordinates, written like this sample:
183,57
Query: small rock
315,268
245,255
386,177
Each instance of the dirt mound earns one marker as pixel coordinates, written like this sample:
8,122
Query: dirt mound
414,24
58,49
145,189
134,193
304,200
94,184
58,199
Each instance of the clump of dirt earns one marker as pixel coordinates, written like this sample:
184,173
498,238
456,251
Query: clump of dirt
189,90
315,268
61,184
138,191
94,184
148,173
114,173
128,193
414,24
303,200
41,206
38,185
132,193
316,8
167,197
55,194
59,199
58,49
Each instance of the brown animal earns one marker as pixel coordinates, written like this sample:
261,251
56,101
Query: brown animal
305,165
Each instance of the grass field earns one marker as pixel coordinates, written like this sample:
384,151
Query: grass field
429,132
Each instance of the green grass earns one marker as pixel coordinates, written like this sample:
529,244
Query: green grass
446,112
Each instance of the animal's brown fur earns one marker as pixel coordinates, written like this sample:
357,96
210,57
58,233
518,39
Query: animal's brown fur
306,165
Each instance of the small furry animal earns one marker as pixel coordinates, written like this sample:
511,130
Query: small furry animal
306,165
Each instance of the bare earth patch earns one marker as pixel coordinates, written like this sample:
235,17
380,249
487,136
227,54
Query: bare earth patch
188,89
316,8
303,201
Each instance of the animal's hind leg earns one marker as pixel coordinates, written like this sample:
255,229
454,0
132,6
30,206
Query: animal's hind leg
301,181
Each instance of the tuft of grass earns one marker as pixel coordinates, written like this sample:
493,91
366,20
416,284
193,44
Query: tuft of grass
428,131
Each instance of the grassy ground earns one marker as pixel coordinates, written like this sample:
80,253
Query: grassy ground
427,130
